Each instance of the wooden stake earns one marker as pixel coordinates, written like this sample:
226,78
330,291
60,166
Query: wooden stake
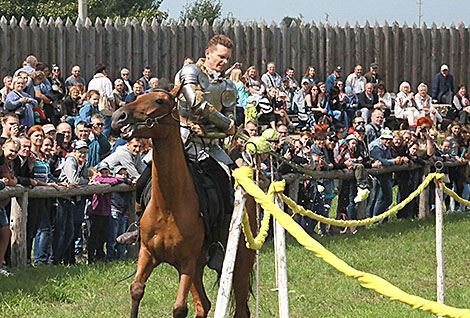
440,268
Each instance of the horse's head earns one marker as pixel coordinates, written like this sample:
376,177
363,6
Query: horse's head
145,116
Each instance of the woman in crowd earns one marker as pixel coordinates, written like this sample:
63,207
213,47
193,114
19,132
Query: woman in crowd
71,103
254,82
266,106
39,210
461,104
341,88
401,178
21,103
310,75
405,105
242,96
57,82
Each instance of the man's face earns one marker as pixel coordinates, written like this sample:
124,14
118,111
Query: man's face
76,71
311,72
377,118
66,130
98,124
135,146
82,132
387,141
8,82
119,86
374,70
138,89
369,89
358,121
25,147
46,71
147,73
11,127
271,68
290,73
360,135
252,130
358,71
217,57
125,75
10,151
445,72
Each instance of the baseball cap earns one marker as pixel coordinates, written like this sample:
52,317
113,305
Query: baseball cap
117,169
338,68
80,144
48,128
305,81
351,137
444,67
386,134
285,79
102,166
282,94
374,65
251,100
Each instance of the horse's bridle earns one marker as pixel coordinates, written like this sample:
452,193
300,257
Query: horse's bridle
150,122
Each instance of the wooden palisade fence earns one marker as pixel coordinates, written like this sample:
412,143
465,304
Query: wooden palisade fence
404,52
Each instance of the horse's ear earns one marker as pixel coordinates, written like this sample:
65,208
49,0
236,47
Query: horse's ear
177,90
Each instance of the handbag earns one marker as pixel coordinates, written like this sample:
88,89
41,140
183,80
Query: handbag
104,106
20,111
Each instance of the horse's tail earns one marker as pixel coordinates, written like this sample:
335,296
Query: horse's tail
127,277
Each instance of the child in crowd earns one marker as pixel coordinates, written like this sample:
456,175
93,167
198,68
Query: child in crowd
39,116
100,214
119,214
350,100
89,107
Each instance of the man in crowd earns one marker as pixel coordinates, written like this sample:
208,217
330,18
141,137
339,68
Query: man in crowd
374,128
146,74
271,78
75,78
293,84
126,81
333,78
373,75
129,157
367,101
29,67
443,86
103,84
356,81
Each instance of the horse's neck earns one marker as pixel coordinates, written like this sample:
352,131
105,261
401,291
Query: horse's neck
170,175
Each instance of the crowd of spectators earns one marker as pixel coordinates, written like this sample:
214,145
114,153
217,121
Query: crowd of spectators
57,132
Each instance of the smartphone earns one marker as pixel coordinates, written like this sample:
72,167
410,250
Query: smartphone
59,137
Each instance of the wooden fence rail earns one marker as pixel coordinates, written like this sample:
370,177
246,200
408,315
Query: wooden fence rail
19,211
403,52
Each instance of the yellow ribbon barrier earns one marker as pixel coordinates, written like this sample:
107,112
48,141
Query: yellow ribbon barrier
302,211
455,196
244,177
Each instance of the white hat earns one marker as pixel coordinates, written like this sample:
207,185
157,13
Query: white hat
444,67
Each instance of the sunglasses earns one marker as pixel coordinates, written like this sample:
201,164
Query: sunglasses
125,74
55,70
99,124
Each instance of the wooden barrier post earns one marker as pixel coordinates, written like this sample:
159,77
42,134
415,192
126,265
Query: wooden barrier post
132,249
424,196
18,217
281,264
225,287
440,268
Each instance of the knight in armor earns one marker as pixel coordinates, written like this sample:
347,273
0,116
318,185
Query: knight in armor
207,110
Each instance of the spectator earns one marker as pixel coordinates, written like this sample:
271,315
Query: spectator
380,150
252,128
367,101
10,127
146,74
350,102
89,107
300,104
424,104
293,84
104,86
374,128
57,82
138,90
331,80
120,204
71,103
29,66
242,96
21,103
7,87
73,173
356,81
443,86
153,83
127,87
461,105
266,106
98,144
254,83
128,156
384,100
119,93
75,78
405,105
271,78
310,75
373,75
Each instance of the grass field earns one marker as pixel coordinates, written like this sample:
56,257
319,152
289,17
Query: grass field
402,252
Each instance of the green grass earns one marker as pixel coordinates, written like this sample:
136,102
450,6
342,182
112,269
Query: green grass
402,252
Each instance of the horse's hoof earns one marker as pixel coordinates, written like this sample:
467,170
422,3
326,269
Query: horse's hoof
180,312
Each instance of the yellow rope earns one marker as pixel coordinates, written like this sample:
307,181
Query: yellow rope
373,282
455,196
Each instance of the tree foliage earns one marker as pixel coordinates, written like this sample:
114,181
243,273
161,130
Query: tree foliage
69,8
202,9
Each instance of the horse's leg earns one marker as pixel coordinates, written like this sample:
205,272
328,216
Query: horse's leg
243,266
145,265
186,272
202,305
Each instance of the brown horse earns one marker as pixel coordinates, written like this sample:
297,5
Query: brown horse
171,229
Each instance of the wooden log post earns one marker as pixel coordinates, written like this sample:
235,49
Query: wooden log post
440,268
225,288
424,196
18,217
281,264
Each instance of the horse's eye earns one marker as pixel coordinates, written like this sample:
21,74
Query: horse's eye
159,101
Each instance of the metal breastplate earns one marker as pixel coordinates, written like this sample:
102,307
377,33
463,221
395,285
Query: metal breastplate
218,93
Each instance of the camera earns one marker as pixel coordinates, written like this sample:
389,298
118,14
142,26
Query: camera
90,126
22,129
